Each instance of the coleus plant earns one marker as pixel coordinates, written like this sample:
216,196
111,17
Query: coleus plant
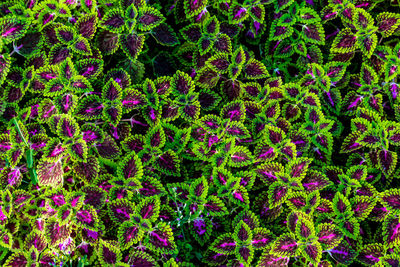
244,133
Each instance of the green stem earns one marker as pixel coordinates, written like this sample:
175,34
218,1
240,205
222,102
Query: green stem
29,153
14,120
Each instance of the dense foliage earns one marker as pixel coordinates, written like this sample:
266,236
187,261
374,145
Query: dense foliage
199,132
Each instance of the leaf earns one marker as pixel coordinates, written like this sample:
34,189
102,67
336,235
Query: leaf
108,149
343,253
50,173
329,236
66,103
207,78
108,253
240,196
267,258
5,63
219,62
298,167
242,234
285,245
304,228
254,69
240,157
12,28
107,42
120,210
89,108
313,252
215,206
268,172
350,228
368,74
244,254
278,33
155,138
132,99
391,233
165,35
232,89
16,259
387,23
362,206
199,189
370,254
113,21
149,208
168,163
87,218
36,240
132,45
182,83
237,130
368,44
344,42
205,45
129,234
90,68
237,14
224,244
194,7
351,142
82,47
387,161
235,111
391,200
257,13
191,33
162,239
130,167
137,257
55,232
67,127
111,91
335,70
341,204
78,150
66,35
148,18
278,193
86,25
223,44
313,33
291,112
262,238
94,196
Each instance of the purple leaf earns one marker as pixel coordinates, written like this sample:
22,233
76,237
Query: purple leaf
285,245
120,210
50,173
86,25
132,45
107,42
